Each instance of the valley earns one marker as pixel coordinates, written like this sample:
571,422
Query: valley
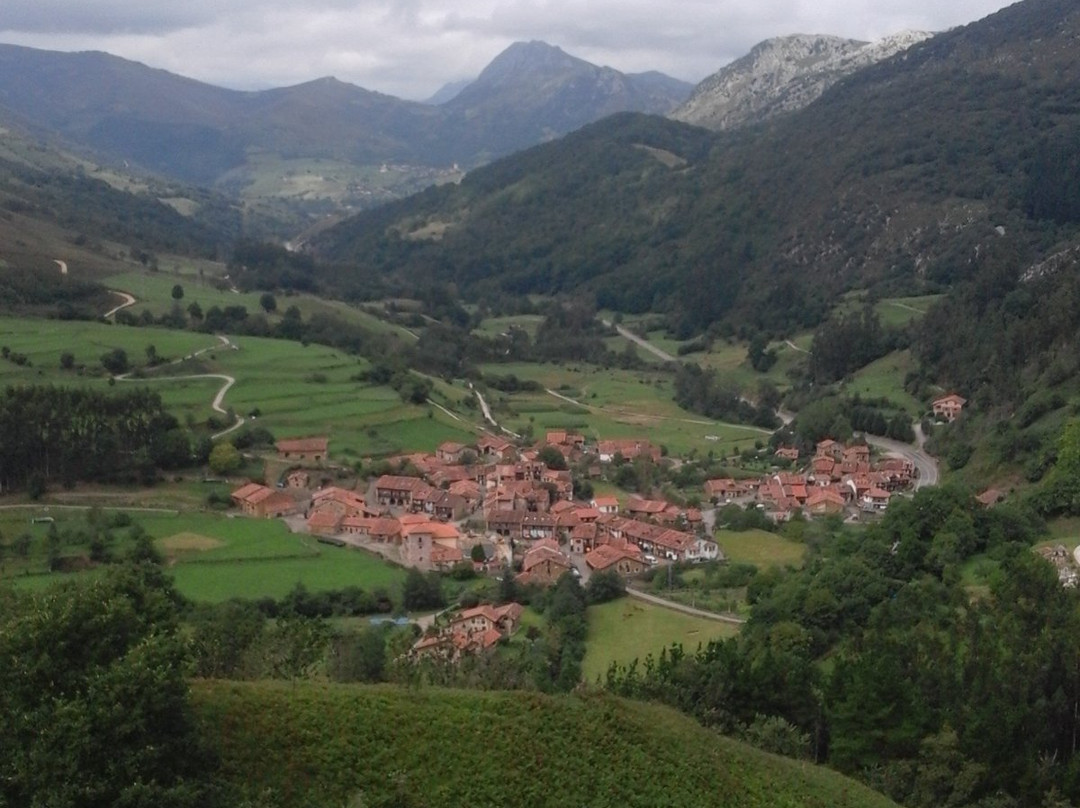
554,443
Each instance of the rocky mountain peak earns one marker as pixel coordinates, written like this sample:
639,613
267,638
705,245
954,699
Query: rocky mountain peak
782,75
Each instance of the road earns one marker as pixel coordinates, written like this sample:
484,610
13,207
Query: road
218,403
484,408
678,607
129,300
640,342
925,465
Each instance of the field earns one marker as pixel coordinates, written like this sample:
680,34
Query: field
212,557
293,744
627,629
612,404
885,379
153,291
295,389
760,548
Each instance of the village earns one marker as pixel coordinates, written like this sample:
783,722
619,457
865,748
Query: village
509,510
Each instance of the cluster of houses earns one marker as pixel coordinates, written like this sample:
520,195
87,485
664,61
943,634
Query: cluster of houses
838,480
471,631
488,493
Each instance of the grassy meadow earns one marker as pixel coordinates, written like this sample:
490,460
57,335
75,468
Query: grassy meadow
295,389
760,548
212,557
627,629
612,403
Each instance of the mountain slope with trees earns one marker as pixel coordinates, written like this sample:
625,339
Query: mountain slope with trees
897,179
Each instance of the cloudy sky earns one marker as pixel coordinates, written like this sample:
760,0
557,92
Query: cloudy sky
409,48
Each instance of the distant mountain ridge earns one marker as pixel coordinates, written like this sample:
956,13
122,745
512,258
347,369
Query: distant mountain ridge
782,75
199,133
533,92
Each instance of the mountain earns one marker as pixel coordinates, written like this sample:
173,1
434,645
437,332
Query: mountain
261,144
907,176
57,205
533,92
781,75
448,91
297,744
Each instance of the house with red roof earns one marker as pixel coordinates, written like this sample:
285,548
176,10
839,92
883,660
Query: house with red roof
402,492
626,559
544,564
606,504
311,451
875,499
263,502
948,406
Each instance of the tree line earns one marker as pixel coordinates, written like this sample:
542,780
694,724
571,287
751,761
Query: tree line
68,434
875,658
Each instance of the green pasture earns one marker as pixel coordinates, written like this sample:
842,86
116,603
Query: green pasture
43,341
297,390
212,557
760,548
626,629
900,311
884,378
496,326
612,403
153,291
303,390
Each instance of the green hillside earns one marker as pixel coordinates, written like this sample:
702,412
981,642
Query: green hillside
299,744
897,179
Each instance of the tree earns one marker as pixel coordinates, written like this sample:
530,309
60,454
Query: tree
604,586
422,591
225,458
478,554
178,292
115,361
67,360
93,700
358,656
552,458
195,311
268,302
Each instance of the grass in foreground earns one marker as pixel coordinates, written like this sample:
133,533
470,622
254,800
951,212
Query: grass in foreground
292,744
626,629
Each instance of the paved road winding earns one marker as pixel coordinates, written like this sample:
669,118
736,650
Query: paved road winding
925,465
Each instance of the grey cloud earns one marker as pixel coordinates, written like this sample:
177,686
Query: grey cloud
410,47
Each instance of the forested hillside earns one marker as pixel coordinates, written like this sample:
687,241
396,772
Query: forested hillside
898,179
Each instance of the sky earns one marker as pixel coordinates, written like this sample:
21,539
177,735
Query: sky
410,48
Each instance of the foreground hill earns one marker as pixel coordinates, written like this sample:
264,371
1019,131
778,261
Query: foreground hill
302,744
898,178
